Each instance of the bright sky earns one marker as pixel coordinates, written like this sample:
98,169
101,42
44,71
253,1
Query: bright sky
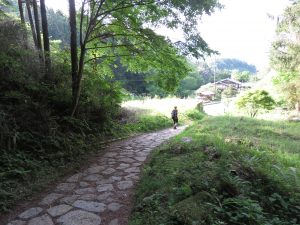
241,30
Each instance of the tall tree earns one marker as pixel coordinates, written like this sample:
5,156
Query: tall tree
33,30
21,11
37,25
45,39
74,56
110,29
285,54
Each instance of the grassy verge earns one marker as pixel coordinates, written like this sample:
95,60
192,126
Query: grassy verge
233,171
32,158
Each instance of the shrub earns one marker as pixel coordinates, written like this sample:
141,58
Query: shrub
253,102
195,114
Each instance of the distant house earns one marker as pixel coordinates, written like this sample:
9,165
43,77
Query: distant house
228,83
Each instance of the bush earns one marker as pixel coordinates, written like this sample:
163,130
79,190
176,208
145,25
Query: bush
195,114
253,102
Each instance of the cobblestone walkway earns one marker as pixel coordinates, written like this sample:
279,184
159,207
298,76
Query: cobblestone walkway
101,194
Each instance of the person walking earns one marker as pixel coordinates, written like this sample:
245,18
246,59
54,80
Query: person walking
174,115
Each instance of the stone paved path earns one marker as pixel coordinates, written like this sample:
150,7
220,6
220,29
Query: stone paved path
102,193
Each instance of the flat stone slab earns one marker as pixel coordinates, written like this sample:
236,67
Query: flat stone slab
90,206
96,169
75,177
186,139
84,184
83,191
123,166
93,177
127,160
59,210
108,171
105,187
30,213
110,155
42,220
88,197
133,170
132,176
17,222
140,158
114,206
114,222
49,199
123,185
104,196
69,199
79,217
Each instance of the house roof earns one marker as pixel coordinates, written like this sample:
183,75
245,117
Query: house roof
228,81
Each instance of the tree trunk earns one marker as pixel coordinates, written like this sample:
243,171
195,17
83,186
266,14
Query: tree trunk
297,106
21,11
37,24
31,22
46,39
74,57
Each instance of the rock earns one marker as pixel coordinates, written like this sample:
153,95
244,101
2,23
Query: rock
104,196
79,217
123,185
103,181
114,206
17,222
93,177
59,210
49,199
140,158
90,206
69,199
88,197
110,154
127,160
186,139
123,166
114,222
85,191
115,178
133,170
136,164
108,171
84,184
105,187
66,187
42,220
75,177
30,213
95,169
133,176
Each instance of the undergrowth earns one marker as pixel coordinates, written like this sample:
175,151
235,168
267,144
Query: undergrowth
232,171
38,140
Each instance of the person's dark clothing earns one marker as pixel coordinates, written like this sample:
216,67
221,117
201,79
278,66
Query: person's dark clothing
175,116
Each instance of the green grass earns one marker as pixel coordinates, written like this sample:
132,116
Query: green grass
31,160
234,171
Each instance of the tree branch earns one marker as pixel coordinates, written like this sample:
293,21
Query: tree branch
109,56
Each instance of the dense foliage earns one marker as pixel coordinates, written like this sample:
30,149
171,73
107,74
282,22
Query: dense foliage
255,101
38,140
285,55
223,170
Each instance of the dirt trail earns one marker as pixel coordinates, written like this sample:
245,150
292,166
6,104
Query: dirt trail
102,193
